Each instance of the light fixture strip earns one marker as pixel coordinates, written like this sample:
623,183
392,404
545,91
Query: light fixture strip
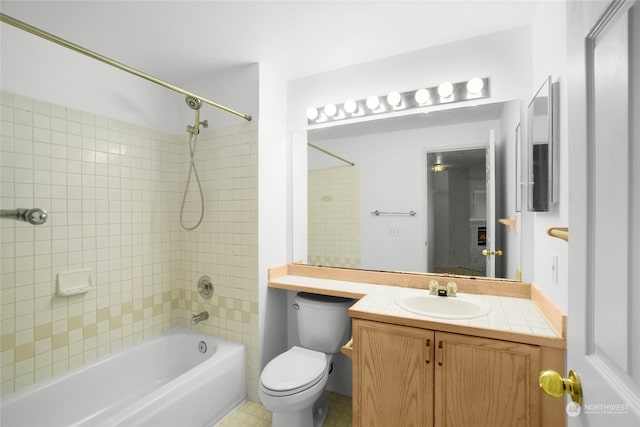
460,92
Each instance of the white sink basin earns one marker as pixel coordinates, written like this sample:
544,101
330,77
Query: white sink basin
462,306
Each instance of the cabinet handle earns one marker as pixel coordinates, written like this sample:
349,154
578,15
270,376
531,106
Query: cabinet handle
440,352
428,360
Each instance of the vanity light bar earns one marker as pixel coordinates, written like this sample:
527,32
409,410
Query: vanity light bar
444,93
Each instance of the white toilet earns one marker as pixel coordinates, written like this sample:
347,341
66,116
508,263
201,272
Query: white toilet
292,385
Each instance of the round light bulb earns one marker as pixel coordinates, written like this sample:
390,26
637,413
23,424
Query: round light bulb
373,102
350,106
445,89
330,110
312,113
475,85
394,98
422,96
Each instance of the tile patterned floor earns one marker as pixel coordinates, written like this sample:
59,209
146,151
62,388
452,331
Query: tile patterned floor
255,415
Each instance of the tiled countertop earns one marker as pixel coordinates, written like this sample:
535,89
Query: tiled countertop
511,318
507,313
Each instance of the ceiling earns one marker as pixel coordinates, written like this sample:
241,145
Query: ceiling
184,40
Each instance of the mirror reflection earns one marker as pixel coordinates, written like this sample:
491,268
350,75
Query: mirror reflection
378,200
540,136
457,212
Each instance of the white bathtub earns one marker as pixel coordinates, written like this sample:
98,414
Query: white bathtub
164,381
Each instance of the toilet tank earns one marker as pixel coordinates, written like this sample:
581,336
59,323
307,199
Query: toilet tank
323,322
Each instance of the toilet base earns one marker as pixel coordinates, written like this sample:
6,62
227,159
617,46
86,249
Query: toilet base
314,416
320,411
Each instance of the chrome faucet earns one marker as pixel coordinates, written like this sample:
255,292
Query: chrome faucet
450,290
197,318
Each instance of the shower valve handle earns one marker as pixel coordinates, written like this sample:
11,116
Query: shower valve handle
35,216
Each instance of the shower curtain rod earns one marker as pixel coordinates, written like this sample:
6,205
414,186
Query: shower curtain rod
62,42
329,153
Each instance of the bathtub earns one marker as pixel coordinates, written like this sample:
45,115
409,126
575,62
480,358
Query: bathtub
180,378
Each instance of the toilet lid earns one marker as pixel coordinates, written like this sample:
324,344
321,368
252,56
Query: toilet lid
294,369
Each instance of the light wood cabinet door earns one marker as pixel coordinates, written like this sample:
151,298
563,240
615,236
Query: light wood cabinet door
485,382
393,375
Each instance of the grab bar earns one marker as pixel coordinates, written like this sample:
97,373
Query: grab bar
35,216
378,213
559,232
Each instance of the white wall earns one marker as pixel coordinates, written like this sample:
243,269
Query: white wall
549,52
273,210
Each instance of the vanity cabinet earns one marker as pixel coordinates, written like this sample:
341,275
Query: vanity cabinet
392,375
480,381
405,376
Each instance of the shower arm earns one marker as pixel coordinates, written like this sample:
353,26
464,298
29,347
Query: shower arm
62,42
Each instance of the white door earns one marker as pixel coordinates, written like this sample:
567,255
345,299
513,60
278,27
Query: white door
491,251
604,245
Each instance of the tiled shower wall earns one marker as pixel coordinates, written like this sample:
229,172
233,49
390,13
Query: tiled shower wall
225,246
113,192
334,217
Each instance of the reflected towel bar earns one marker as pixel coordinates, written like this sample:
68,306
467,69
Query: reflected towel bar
378,213
559,232
511,223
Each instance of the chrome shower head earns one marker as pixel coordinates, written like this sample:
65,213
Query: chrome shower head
194,103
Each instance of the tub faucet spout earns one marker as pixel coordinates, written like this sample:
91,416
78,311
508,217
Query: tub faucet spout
197,318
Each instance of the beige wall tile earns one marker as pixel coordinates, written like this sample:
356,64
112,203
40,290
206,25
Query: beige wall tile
24,351
42,331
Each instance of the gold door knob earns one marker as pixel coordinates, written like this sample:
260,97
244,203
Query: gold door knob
554,385
486,252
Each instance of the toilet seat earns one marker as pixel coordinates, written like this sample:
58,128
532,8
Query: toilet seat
293,371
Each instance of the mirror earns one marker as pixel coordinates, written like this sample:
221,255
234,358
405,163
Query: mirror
541,121
379,213
519,183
